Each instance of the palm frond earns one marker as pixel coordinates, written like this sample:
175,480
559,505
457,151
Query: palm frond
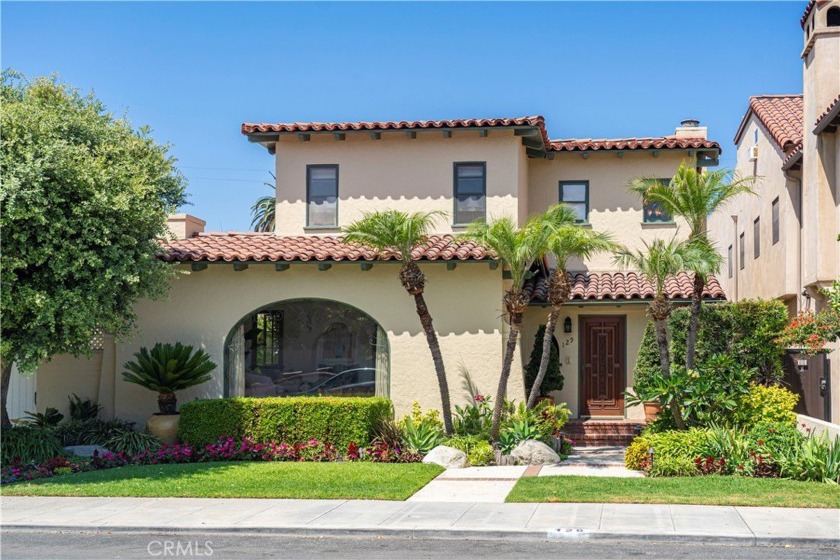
567,239
662,259
168,368
392,230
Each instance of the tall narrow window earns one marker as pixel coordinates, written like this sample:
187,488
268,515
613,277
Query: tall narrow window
653,212
741,251
730,254
576,195
756,238
470,192
776,220
322,195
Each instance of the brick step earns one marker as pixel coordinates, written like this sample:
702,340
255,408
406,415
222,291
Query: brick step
601,432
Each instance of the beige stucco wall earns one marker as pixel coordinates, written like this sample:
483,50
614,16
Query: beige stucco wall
569,343
612,208
203,306
775,273
396,172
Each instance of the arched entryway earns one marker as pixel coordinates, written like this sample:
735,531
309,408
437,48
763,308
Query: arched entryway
307,347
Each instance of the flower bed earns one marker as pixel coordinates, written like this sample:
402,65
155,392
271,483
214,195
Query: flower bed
226,448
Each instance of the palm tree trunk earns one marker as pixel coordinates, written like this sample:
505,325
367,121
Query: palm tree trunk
510,350
694,322
665,365
437,358
546,355
4,389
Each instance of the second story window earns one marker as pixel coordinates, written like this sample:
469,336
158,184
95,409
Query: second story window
756,238
741,252
470,192
775,209
322,195
576,195
652,213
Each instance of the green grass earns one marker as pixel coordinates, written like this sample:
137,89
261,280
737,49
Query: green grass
705,490
368,481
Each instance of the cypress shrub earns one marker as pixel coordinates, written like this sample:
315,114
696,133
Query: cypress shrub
290,420
554,379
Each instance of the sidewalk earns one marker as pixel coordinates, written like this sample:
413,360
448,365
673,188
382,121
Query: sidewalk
619,522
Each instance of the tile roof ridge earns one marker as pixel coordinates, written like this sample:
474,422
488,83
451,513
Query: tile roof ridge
776,96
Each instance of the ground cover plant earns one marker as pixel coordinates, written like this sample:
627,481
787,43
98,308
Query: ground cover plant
706,490
348,480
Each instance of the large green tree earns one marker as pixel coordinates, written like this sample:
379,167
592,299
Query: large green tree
660,260
694,195
566,239
392,231
83,204
518,249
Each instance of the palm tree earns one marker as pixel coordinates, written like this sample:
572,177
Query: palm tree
518,249
693,195
659,261
566,239
396,232
263,211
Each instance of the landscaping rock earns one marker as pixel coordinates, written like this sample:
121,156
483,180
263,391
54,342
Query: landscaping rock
85,450
533,452
446,457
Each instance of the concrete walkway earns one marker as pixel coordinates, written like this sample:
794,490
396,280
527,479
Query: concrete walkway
473,484
624,522
593,461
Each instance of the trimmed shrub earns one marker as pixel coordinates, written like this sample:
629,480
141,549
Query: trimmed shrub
672,466
688,444
29,444
766,404
637,453
481,454
746,331
336,420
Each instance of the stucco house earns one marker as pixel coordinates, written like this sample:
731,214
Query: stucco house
783,243
297,311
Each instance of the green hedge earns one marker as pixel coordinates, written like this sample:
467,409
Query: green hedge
336,420
745,330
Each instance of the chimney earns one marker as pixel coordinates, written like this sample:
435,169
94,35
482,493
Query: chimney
183,226
690,128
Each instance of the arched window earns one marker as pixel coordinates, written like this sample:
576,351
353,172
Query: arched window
832,17
307,347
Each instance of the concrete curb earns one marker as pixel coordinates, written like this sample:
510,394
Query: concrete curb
557,535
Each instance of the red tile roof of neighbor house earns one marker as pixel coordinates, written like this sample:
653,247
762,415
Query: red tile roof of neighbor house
537,122
624,285
257,247
831,112
781,116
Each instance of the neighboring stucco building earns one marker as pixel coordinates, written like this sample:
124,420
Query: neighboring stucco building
783,243
298,311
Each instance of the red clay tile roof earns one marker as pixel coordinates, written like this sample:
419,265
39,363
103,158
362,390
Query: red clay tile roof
829,114
660,143
535,121
245,247
781,116
625,285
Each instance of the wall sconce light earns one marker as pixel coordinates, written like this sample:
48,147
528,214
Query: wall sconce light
567,325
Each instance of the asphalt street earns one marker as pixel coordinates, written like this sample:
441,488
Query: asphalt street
19,545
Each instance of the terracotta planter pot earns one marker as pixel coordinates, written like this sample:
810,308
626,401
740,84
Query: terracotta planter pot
652,410
164,426
549,398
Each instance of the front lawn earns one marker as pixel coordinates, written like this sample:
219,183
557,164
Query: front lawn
351,480
704,490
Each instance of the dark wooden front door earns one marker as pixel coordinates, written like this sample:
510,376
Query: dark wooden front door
602,366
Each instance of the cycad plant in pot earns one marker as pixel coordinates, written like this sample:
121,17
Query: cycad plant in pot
168,368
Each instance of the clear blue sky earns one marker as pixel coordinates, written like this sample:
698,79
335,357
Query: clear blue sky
195,71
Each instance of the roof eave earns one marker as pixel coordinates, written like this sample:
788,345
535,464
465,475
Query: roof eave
830,121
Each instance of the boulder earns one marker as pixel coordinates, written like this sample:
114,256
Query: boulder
446,457
533,452
85,450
